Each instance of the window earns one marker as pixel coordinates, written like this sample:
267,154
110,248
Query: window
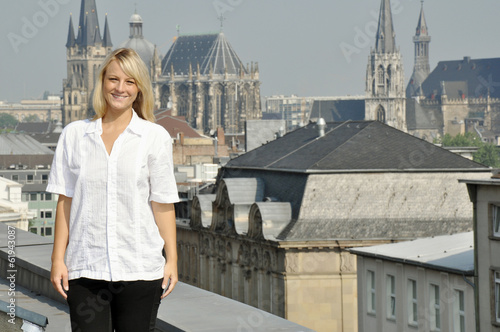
459,312
412,303
48,196
391,297
497,296
48,231
33,197
15,177
370,287
34,230
29,178
45,178
434,308
45,214
496,220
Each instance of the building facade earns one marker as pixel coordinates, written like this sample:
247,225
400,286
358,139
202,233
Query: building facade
420,285
294,110
204,80
485,196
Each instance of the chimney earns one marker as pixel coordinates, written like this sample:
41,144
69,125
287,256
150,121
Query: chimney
220,136
321,127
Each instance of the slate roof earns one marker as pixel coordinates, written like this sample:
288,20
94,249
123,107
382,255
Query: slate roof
206,50
352,146
452,253
473,77
338,110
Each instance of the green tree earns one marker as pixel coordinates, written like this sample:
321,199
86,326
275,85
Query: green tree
467,139
487,153
7,121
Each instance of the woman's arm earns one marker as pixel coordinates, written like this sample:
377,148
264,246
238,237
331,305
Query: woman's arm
59,271
165,219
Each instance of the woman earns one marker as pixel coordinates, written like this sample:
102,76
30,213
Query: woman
115,214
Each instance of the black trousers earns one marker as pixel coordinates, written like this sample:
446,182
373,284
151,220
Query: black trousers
122,306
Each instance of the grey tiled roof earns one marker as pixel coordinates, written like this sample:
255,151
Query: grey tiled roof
209,51
476,76
351,146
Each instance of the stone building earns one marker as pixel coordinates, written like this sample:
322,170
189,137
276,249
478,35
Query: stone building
84,54
273,232
421,67
458,96
385,96
206,82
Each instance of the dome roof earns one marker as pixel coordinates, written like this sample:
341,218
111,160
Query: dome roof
142,46
135,18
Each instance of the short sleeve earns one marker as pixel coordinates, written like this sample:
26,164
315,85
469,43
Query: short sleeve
61,180
161,169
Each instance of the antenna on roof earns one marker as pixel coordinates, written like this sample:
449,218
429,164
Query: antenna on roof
178,28
221,18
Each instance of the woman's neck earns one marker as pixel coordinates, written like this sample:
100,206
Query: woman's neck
118,119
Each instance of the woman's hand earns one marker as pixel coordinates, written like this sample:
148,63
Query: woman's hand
170,278
58,273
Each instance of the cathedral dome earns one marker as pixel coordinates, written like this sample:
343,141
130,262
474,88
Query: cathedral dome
136,41
143,47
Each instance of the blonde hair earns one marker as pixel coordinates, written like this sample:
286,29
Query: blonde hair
133,66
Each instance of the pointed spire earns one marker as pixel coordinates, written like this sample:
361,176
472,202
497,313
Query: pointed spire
422,25
88,33
385,38
107,35
71,33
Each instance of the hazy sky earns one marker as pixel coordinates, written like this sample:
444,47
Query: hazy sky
309,48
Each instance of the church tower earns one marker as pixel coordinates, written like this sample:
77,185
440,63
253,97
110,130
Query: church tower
84,55
421,67
385,92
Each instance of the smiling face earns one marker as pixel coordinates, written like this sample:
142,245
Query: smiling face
119,90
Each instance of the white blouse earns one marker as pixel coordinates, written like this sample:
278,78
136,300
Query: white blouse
112,232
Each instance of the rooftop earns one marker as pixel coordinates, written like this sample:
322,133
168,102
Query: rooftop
212,52
188,308
452,253
352,146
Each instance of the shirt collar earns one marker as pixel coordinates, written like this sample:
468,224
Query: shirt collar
136,125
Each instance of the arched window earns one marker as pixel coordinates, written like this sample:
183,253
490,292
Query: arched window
380,114
380,75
